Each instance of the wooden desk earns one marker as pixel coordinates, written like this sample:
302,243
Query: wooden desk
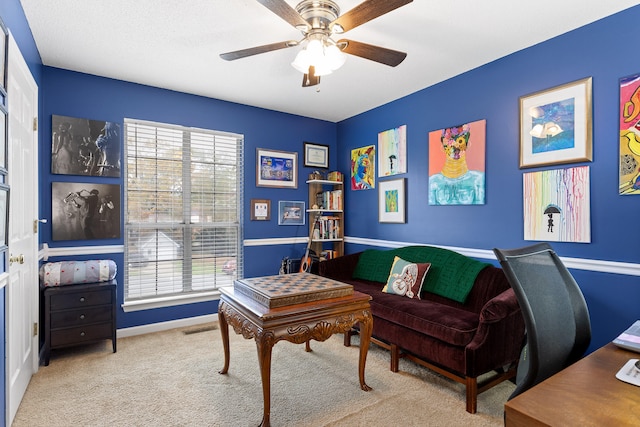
586,393
297,323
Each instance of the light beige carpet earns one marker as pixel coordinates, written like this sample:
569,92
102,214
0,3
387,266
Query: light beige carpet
171,379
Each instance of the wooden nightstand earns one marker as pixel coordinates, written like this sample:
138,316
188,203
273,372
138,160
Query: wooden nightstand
78,314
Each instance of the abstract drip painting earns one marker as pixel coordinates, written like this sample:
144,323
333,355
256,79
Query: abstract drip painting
630,135
556,205
392,151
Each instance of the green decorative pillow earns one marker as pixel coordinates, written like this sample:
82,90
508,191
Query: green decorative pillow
406,278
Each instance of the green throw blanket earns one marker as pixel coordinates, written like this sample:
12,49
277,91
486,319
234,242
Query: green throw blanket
451,274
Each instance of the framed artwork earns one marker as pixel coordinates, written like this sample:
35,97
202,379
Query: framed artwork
555,125
4,56
392,201
557,205
85,211
363,165
276,168
85,147
3,140
260,210
291,213
457,164
4,216
629,182
392,151
316,155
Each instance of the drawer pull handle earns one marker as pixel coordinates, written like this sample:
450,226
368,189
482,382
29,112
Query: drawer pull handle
81,299
82,334
82,317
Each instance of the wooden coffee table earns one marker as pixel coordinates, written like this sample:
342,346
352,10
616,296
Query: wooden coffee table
297,323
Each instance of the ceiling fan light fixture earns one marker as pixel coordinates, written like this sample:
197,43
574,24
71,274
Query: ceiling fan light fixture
323,55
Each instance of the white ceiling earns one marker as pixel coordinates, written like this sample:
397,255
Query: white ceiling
175,44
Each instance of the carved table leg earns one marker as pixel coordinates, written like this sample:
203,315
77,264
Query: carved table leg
366,327
264,343
224,331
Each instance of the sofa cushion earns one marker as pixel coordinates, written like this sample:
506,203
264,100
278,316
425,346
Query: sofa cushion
406,278
451,274
446,323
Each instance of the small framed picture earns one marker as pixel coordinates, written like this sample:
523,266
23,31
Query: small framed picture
316,155
276,168
555,125
392,201
291,213
260,210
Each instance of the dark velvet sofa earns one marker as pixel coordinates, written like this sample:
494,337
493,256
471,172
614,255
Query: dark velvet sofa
461,340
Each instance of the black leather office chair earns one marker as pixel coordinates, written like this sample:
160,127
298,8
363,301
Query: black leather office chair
555,312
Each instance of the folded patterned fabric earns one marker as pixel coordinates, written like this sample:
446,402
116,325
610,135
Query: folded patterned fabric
75,272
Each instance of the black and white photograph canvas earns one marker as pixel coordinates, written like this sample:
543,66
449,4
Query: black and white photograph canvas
85,147
85,211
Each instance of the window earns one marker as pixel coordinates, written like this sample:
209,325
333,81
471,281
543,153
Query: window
183,221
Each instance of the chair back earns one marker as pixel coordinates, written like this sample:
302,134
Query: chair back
555,312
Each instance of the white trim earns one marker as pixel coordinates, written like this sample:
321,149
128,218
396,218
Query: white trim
615,267
275,241
165,326
160,302
4,279
46,251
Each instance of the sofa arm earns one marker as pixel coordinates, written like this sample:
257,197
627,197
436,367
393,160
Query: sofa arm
339,268
500,335
499,307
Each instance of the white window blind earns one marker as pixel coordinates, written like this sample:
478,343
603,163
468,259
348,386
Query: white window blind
183,224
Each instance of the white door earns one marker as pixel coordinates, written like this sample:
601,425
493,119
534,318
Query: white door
22,287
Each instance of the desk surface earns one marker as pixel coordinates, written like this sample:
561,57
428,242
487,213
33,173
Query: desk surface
587,393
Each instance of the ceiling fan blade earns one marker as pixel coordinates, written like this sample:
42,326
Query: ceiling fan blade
371,52
310,79
286,12
366,11
243,53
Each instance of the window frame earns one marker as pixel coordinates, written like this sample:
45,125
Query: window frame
190,296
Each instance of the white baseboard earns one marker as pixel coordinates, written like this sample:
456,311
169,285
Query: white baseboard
164,326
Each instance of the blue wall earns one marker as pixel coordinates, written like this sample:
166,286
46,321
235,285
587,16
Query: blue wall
80,95
601,50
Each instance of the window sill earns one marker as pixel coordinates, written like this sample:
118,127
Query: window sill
173,300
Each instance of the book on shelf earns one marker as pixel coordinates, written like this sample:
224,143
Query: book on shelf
329,200
328,227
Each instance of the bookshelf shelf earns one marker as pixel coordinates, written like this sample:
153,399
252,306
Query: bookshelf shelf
326,217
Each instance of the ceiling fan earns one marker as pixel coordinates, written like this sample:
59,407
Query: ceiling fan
319,20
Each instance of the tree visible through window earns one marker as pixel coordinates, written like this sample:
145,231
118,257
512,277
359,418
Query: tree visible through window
183,225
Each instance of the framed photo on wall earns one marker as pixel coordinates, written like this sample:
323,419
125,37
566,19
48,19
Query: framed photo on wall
85,211
276,168
85,147
555,125
291,213
392,201
260,210
316,155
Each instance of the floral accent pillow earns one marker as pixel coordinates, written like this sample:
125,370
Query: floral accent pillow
406,278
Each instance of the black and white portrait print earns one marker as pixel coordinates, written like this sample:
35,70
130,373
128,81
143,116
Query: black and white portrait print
85,211
84,147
